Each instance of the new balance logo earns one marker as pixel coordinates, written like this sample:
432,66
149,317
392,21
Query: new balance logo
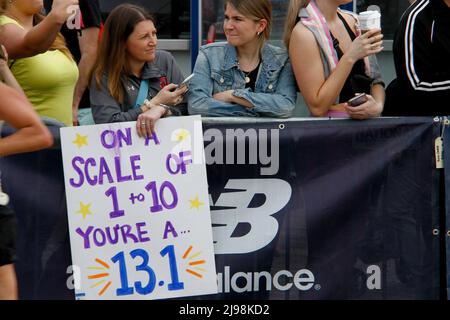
257,224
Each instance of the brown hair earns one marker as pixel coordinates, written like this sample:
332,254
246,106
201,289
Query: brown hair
292,18
255,10
111,57
58,44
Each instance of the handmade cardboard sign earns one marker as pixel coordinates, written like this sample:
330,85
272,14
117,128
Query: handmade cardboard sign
138,210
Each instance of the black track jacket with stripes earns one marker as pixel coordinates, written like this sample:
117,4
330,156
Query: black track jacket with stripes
422,62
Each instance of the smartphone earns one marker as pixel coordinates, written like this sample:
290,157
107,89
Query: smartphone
186,81
357,100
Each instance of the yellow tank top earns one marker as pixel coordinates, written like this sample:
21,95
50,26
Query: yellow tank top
48,80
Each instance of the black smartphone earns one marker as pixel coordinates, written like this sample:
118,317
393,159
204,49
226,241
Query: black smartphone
357,100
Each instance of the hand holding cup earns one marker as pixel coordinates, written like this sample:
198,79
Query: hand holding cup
369,20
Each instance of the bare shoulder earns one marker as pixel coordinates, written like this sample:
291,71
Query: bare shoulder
301,36
11,36
303,47
10,30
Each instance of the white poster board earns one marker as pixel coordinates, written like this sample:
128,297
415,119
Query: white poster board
138,210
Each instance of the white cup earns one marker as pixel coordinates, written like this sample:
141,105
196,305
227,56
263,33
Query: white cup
369,20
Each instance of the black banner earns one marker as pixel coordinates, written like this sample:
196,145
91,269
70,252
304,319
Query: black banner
300,210
349,214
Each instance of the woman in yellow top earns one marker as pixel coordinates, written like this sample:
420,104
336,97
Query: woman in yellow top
39,58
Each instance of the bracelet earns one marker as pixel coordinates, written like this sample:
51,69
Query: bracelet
166,107
147,105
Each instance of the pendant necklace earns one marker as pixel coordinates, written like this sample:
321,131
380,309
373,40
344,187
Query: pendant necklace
247,74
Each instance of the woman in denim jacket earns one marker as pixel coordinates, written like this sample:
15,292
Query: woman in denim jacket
243,76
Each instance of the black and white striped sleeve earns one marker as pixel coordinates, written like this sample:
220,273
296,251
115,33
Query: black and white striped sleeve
419,63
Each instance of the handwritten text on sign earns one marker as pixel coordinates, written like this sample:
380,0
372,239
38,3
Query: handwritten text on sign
139,219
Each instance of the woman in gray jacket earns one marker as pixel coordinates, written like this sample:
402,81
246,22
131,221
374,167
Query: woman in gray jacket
132,81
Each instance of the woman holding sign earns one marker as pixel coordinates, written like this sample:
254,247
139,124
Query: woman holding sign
132,80
244,76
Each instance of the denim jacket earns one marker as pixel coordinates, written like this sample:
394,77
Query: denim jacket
217,70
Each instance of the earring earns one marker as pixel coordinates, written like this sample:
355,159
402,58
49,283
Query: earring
258,33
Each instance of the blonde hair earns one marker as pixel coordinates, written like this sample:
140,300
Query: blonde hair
292,18
255,10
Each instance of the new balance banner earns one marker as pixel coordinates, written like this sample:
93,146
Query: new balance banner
329,209
300,210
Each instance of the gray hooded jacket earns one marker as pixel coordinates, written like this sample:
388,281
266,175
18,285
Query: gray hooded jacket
105,109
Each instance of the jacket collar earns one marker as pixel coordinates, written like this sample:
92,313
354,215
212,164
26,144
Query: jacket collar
230,58
151,70
270,60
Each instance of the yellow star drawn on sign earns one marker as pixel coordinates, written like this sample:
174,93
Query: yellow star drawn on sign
181,135
85,209
80,140
196,203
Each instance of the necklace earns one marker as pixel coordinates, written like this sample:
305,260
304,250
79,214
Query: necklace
247,74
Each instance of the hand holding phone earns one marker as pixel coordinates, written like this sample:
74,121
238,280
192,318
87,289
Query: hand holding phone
185,82
357,100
